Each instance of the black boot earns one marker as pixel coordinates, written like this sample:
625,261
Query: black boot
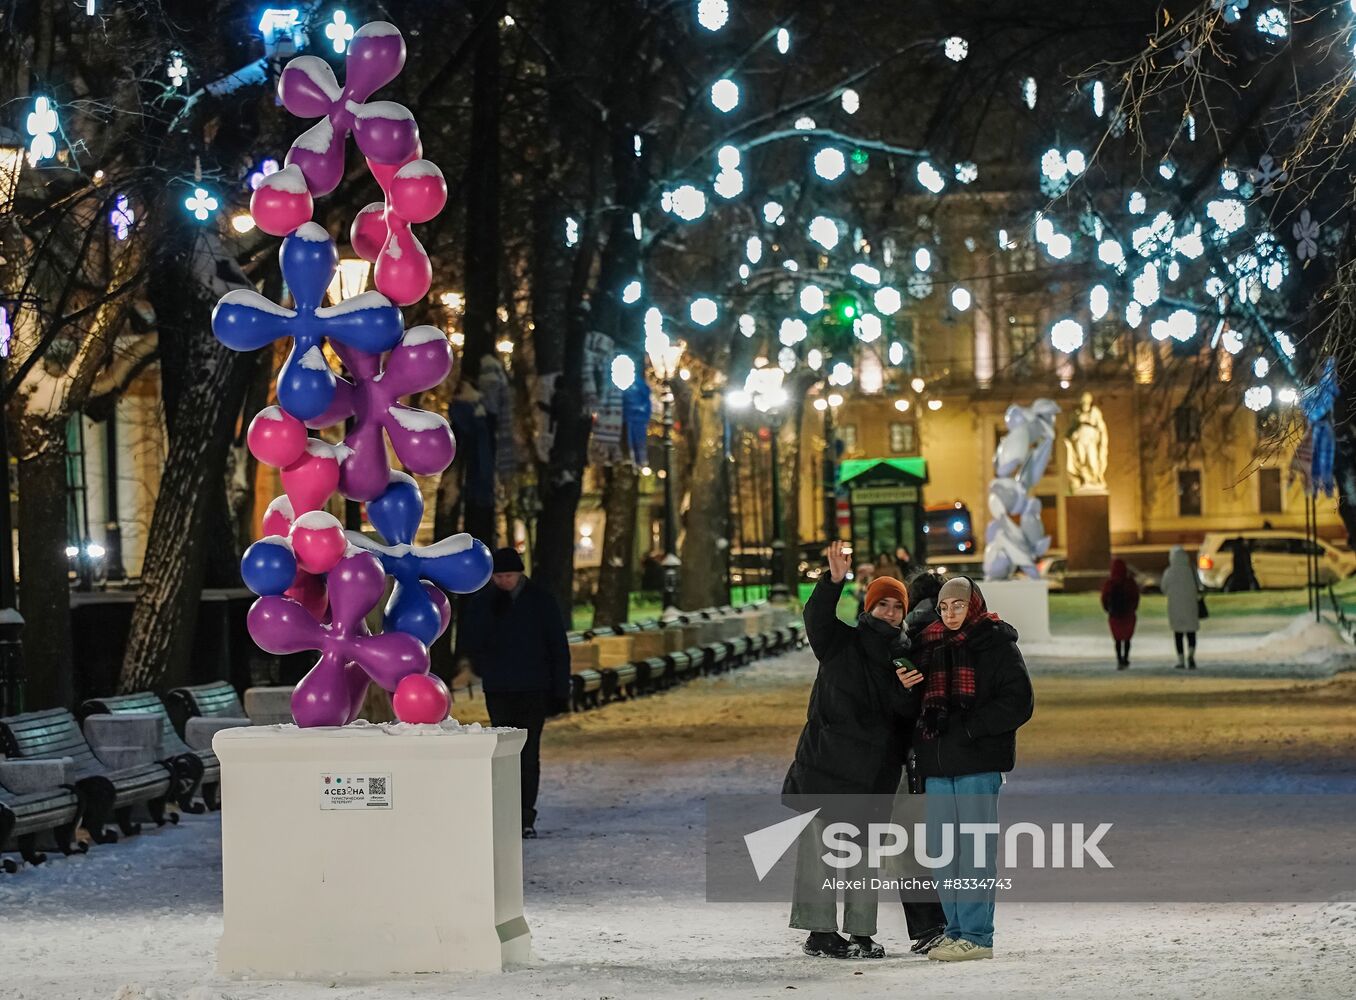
927,941
861,946
825,944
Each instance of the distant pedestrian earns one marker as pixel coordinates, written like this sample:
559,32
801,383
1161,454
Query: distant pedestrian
862,577
886,566
904,561
1241,577
515,638
1182,588
1120,601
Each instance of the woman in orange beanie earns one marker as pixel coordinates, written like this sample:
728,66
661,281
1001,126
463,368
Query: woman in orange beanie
861,714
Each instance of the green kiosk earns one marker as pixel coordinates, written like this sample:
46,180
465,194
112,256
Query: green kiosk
885,501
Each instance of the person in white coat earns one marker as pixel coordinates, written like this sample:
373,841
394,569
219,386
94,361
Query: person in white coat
1182,588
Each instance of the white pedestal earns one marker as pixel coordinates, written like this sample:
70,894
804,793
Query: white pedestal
434,883
1023,604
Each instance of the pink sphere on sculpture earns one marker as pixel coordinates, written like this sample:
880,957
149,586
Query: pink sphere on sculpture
421,698
312,479
282,202
275,437
418,191
367,235
318,541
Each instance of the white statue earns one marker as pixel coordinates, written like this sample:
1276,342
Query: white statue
1085,446
1015,538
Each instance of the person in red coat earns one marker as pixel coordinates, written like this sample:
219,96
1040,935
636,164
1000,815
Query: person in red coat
1120,601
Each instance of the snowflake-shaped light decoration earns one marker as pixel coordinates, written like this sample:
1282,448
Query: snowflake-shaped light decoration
1111,253
688,202
1273,260
121,218
783,41
1098,98
623,372
1228,179
202,204
1232,341
786,359
703,311
824,231
887,300
1167,169
1029,92
1257,397
967,172
1134,315
177,70
868,328
812,299
42,127
1267,174
725,95
1228,214
865,273
1284,342
713,14
571,231
631,292
1287,396
753,249
956,48
748,326
840,374
1261,367
266,168
1067,335
1137,204
1306,232
1188,242
920,285
729,183
773,213
804,123
1146,288
850,100
930,177
922,258
339,31
830,163
1233,9
792,331
1099,302
961,298
1181,325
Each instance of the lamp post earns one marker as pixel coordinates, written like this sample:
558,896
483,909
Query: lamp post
11,622
664,357
764,388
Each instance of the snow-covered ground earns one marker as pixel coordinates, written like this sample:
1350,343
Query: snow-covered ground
615,900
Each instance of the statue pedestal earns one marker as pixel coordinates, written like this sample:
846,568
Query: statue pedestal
1023,604
1088,547
416,867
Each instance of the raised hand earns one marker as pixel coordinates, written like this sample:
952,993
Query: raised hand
838,561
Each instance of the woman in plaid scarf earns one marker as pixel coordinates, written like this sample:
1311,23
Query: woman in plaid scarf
975,696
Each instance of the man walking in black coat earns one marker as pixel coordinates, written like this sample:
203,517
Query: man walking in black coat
515,638
856,734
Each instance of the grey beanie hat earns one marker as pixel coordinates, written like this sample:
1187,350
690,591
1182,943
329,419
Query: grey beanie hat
958,588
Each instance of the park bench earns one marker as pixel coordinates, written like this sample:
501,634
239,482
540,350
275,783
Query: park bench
652,675
195,771
106,792
619,682
215,703
583,653
718,656
700,660
585,689
36,798
681,665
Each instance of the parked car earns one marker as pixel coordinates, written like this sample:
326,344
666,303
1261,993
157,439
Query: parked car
1053,569
1279,558
949,530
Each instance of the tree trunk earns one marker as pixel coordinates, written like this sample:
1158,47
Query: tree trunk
702,584
44,588
611,605
204,387
789,447
482,248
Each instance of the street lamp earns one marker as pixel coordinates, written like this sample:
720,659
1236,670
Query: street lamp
665,355
765,390
349,280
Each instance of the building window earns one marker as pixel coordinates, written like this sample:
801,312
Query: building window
1189,493
848,435
902,439
1269,495
1023,339
1186,424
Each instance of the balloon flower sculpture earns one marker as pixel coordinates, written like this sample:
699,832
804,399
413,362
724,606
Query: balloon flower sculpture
317,585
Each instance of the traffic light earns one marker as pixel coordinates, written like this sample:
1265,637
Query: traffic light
844,309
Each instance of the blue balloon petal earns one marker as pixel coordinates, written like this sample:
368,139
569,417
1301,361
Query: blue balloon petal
462,572
397,512
307,266
268,568
411,611
305,388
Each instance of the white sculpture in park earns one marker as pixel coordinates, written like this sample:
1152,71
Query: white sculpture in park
1085,446
1015,538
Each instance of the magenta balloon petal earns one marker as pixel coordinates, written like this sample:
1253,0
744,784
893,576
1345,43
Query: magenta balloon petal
388,657
281,625
322,698
356,584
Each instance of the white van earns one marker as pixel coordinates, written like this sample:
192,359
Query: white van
1278,558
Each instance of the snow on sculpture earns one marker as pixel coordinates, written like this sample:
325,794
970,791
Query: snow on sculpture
1015,538
316,585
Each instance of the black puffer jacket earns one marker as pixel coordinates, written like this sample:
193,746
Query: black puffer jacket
857,727
985,738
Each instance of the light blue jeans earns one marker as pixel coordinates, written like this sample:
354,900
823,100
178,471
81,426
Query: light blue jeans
971,798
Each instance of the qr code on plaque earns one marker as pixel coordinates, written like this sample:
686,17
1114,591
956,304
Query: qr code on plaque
376,786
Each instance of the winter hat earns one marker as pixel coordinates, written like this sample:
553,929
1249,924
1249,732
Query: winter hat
507,560
885,586
956,589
